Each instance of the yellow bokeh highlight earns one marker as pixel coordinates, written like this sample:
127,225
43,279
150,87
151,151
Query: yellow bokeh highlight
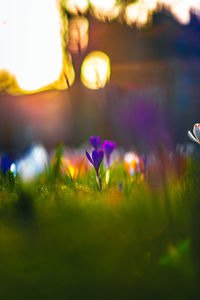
67,76
140,12
95,70
136,13
105,10
76,6
31,54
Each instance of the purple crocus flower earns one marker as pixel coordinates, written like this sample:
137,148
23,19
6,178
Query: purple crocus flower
95,142
96,159
108,148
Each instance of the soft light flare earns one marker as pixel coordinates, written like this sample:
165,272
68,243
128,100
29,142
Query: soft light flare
136,13
31,44
181,11
76,6
105,9
95,70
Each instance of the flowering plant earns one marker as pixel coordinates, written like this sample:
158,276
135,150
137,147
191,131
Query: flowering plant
96,159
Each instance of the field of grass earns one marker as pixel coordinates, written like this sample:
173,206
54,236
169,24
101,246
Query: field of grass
135,239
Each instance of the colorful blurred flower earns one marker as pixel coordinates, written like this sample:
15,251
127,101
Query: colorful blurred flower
134,164
75,166
108,147
195,137
95,142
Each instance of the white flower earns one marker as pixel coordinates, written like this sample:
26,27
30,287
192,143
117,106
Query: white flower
195,137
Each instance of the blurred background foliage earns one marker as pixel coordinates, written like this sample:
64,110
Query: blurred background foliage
153,92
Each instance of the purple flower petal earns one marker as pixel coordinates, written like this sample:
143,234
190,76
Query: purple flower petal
97,156
89,158
108,148
95,142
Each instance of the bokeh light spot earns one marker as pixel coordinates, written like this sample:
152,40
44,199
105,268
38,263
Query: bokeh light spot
31,45
76,6
105,10
95,70
137,14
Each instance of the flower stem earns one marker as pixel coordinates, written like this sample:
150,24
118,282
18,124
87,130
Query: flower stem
99,181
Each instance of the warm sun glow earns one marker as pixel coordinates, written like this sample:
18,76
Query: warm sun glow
105,9
140,12
181,12
95,70
136,13
31,44
149,4
181,9
76,6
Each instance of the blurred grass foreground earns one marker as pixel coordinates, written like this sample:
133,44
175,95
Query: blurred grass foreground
138,238
82,224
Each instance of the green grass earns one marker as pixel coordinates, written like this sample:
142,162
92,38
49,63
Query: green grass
64,239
